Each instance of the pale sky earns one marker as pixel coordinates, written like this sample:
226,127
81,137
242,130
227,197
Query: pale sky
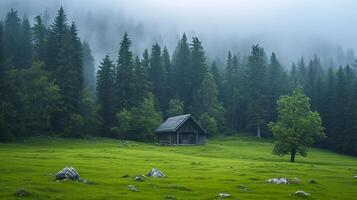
291,28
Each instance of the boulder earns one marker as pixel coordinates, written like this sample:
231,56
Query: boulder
133,188
301,193
224,195
313,181
22,193
140,178
156,173
355,177
67,173
283,181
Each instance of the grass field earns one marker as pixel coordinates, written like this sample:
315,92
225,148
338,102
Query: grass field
194,172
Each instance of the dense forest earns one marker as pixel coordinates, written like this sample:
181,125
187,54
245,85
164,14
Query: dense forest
49,86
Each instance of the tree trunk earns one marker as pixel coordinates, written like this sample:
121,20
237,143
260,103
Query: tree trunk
258,131
292,155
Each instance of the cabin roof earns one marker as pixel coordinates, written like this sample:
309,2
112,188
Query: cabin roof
173,123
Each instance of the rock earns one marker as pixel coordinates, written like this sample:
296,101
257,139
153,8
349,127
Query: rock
243,188
126,176
170,197
355,177
140,178
67,173
22,193
313,181
156,173
133,188
85,181
301,193
224,195
283,181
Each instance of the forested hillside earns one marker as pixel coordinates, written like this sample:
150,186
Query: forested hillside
49,86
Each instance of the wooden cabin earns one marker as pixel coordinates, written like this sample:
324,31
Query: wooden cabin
181,130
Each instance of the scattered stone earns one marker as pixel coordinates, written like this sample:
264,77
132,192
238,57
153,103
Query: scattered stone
126,176
22,193
355,177
133,188
170,197
243,188
301,193
140,178
156,173
85,181
224,195
313,181
283,181
67,173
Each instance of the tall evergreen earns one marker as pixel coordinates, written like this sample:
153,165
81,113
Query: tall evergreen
257,105
88,69
197,68
180,64
25,46
39,35
105,87
58,30
158,78
142,83
69,72
12,35
124,90
166,63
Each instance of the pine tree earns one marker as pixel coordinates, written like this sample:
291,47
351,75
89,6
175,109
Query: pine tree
197,68
25,46
180,63
88,69
257,105
216,75
124,89
158,78
278,83
69,72
142,84
105,87
12,34
166,63
39,33
58,30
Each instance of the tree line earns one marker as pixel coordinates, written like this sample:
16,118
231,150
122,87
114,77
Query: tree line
48,86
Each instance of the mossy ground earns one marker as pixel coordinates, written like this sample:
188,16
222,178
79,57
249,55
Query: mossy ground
194,172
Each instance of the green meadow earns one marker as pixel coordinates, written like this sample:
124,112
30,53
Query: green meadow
236,165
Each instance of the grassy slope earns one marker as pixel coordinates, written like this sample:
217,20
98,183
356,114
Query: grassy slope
220,166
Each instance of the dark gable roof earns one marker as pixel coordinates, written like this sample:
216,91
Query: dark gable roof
173,123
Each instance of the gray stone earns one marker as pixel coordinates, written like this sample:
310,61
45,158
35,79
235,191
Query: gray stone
224,195
156,173
133,188
355,177
140,178
22,193
170,197
301,193
283,181
243,188
67,173
313,181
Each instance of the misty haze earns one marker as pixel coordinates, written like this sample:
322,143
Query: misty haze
178,99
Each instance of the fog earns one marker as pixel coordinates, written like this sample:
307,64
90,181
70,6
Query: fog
290,28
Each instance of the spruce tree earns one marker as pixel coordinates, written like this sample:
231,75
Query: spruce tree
142,83
180,64
39,33
58,30
12,35
158,78
166,63
88,69
124,89
105,88
25,46
258,105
